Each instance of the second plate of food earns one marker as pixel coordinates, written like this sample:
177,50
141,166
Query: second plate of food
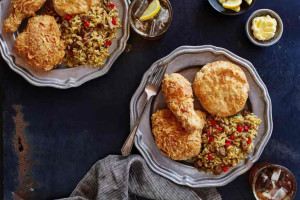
67,43
210,121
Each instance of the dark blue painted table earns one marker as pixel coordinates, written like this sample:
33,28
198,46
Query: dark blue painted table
52,137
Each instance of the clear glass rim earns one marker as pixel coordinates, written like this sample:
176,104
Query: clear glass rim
144,34
273,165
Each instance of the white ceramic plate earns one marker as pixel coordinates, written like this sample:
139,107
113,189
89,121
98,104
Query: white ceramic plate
61,77
187,60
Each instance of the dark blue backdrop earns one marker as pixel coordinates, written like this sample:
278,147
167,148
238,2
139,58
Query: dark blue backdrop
69,130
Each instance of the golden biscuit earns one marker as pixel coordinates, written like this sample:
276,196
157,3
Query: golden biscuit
222,88
73,7
172,139
178,95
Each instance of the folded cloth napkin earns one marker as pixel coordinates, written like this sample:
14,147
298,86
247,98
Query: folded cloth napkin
120,178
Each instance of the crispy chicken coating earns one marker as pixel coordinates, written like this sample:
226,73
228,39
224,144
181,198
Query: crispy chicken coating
72,7
20,9
40,44
172,139
178,95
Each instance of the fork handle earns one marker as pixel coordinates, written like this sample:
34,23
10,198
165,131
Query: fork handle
127,146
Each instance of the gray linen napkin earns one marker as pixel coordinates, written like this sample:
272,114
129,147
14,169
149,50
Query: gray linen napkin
120,178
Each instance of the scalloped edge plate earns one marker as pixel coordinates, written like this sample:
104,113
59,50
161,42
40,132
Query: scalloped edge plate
66,77
182,173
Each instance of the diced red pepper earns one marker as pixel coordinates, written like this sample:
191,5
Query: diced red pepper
231,137
114,21
84,40
213,122
249,141
208,132
107,43
224,169
112,5
209,157
239,128
71,53
86,23
68,17
211,139
246,128
227,143
220,128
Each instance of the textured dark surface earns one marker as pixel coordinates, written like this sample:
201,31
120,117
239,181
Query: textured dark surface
69,130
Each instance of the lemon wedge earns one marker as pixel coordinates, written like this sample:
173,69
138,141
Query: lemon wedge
232,4
152,9
237,9
249,2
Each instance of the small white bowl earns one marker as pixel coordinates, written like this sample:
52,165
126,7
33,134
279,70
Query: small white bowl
278,33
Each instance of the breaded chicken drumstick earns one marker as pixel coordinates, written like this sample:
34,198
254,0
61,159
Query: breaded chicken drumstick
178,95
20,9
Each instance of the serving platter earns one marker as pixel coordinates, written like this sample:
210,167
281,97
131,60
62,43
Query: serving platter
62,77
187,60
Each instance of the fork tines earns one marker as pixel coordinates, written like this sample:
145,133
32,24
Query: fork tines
157,75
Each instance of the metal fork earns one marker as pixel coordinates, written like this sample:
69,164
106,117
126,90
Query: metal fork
151,89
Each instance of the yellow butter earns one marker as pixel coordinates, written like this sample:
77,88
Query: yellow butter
264,27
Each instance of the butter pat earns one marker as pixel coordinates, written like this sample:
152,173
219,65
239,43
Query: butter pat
264,27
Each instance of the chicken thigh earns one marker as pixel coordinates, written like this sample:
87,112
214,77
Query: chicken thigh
40,44
172,139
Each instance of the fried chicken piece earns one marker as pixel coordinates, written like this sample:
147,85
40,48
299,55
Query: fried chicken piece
40,44
72,7
172,139
20,9
178,95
